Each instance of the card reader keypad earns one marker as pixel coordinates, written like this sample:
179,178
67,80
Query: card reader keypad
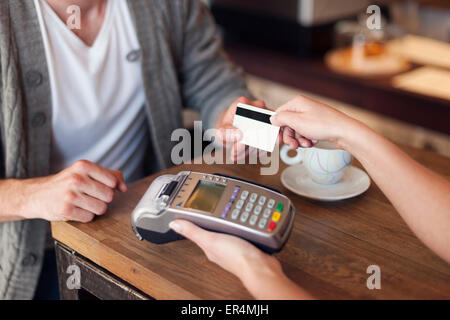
254,210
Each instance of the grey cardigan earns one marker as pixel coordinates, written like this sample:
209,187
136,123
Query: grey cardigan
183,65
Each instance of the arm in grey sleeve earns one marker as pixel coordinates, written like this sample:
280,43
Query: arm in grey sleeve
210,81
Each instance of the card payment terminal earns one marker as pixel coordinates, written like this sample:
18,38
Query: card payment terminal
217,203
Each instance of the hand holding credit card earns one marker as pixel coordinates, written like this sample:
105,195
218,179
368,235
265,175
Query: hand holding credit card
256,128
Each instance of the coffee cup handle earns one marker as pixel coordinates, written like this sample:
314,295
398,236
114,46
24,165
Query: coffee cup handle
297,159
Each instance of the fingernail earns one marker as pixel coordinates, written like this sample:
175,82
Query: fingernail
175,226
304,144
272,118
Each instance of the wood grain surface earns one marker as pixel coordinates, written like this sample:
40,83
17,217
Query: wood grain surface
329,250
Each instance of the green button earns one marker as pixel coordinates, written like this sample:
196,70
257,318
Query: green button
280,206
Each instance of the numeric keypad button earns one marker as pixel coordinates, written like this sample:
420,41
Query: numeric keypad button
244,216
262,200
257,210
244,194
253,220
262,223
235,214
253,197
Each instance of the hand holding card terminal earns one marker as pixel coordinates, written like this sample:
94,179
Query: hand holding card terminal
217,203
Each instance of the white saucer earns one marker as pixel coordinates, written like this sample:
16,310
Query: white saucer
296,178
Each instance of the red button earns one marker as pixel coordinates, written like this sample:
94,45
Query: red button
271,226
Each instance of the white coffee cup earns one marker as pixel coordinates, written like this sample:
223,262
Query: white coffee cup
325,163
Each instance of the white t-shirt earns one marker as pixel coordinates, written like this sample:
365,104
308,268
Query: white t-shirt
97,93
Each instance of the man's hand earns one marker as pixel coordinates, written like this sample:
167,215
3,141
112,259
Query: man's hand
228,135
77,193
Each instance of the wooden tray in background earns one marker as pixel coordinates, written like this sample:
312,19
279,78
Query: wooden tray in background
376,66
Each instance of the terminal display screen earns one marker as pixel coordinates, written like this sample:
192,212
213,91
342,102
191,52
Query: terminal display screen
205,196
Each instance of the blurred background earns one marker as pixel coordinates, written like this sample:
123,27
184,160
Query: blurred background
390,68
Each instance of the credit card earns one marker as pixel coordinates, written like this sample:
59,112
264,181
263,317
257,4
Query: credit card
256,128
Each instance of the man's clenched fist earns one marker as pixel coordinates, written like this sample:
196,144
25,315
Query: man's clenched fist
77,193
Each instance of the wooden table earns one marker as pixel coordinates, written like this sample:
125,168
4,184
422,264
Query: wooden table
329,250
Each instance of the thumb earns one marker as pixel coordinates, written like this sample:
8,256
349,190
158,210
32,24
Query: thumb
286,119
190,231
121,186
232,110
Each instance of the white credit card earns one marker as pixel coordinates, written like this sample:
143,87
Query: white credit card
256,128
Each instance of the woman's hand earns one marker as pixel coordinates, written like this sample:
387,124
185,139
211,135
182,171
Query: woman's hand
228,135
304,120
413,190
260,273
231,253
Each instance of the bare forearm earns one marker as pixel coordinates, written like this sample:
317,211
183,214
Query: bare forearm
418,194
275,288
75,194
11,200
264,278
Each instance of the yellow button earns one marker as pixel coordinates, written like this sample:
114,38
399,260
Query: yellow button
276,216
